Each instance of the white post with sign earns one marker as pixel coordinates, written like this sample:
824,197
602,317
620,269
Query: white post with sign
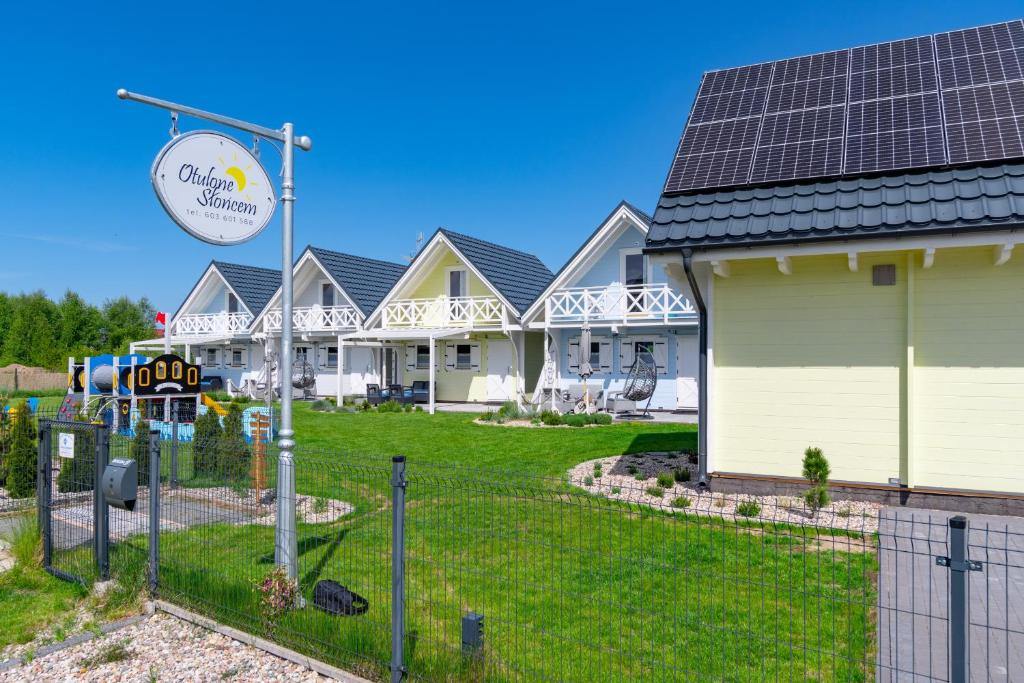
217,191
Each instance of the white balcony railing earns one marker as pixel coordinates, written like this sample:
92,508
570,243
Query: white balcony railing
619,304
315,319
212,324
463,311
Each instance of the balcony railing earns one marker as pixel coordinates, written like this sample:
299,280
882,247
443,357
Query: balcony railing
314,319
212,324
463,311
619,304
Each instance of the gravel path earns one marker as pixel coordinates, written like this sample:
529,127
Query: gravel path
633,478
160,648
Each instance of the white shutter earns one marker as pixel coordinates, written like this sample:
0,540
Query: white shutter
449,356
474,357
410,357
574,354
661,355
626,354
606,355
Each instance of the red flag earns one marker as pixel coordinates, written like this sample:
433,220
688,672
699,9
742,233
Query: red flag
161,318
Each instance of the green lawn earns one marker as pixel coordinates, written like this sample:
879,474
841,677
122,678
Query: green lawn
572,587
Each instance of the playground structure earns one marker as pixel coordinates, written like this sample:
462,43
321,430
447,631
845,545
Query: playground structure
167,391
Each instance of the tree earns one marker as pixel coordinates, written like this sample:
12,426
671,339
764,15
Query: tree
234,449
5,438
125,321
21,468
79,325
205,444
33,331
816,471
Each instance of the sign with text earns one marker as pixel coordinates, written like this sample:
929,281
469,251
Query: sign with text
213,187
66,445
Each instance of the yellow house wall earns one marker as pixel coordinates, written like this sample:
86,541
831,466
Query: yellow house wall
969,375
454,385
808,359
435,284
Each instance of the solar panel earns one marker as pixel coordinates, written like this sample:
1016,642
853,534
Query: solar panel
894,119
951,98
982,75
801,132
719,138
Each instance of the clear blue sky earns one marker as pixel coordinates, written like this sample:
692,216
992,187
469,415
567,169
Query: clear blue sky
522,124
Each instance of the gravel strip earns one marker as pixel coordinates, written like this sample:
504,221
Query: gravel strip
619,481
160,648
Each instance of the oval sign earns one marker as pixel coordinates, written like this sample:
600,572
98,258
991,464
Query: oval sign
213,187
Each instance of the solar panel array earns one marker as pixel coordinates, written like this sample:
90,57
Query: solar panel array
950,98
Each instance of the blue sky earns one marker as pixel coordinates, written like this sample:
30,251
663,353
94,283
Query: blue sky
520,123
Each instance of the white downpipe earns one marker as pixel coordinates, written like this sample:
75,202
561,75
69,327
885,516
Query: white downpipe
341,370
432,375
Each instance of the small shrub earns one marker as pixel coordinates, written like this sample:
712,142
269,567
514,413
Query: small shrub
640,477
588,481
718,501
631,469
24,541
510,410
681,502
21,466
816,470
550,419
597,470
365,406
278,593
140,451
665,480
407,408
616,489
390,406
681,474
241,399
655,491
321,406
205,443
602,418
234,450
108,654
844,511
575,420
419,409
748,508
319,505
692,457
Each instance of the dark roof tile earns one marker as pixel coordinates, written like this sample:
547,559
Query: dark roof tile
254,286
366,281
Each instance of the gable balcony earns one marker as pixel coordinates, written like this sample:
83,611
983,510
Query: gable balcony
211,325
649,304
306,319
444,312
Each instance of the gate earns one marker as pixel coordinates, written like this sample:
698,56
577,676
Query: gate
80,532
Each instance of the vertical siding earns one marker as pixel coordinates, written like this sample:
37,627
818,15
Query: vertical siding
812,358
969,378
434,284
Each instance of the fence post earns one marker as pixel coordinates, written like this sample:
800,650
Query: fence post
43,490
397,566
174,445
154,508
958,608
101,513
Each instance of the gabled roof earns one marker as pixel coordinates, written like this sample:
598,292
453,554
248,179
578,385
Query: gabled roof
365,281
896,205
254,286
574,260
518,276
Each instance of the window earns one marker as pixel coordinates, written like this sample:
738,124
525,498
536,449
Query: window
332,356
457,283
463,357
232,303
302,353
645,350
236,358
633,277
211,356
423,356
595,354
326,294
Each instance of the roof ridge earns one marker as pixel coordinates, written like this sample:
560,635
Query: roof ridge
447,231
356,256
244,265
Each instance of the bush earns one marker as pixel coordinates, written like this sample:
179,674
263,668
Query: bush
419,409
748,508
234,450
681,502
79,473
616,490
574,420
365,406
665,480
588,481
640,477
21,466
390,406
655,491
816,471
205,444
602,418
240,398
140,451
681,475
510,410
321,406
219,396
632,469
550,419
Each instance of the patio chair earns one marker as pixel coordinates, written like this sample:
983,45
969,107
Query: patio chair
397,393
640,384
421,392
373,395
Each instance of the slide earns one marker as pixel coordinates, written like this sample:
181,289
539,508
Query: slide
214,406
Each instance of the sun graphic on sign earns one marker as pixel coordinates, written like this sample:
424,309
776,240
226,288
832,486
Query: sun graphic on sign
238,174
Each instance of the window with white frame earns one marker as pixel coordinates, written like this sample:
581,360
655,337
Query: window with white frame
463,356
458,284
423,356
326,294
331,357
599,354
652,349
237,357
211,357
232,303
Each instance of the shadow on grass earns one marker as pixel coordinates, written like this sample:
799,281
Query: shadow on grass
662,441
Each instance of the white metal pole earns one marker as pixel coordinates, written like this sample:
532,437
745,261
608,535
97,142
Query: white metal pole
433,374
341,370
286,543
